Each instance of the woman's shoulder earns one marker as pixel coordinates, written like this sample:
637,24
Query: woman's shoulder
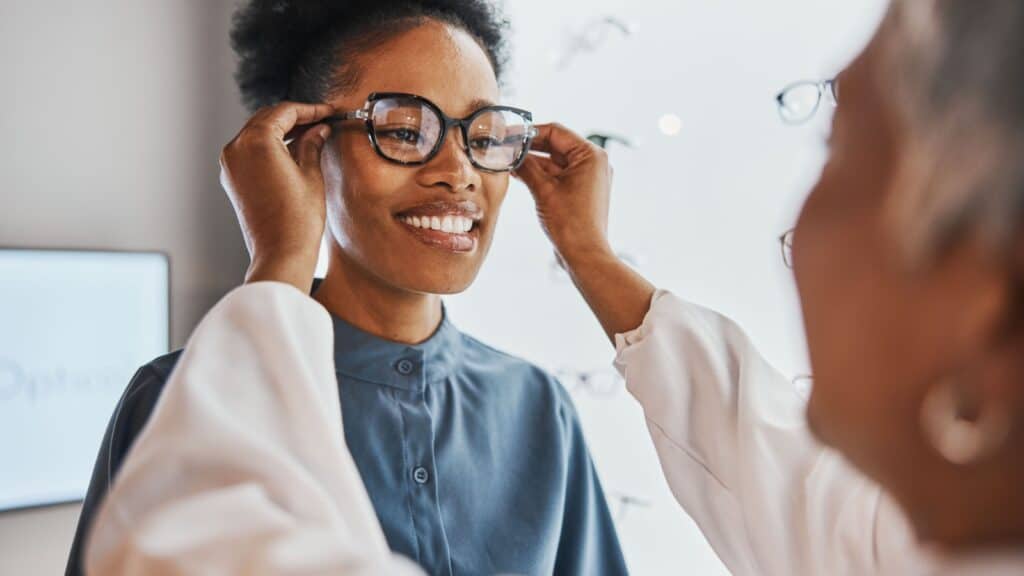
150,378
511,371
140,397
476,350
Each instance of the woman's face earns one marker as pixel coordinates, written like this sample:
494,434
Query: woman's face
880,335
370,199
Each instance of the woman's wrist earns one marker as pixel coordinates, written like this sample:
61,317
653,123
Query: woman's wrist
618,295
295,269
584,255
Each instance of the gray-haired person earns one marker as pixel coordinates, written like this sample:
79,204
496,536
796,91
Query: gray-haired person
909,258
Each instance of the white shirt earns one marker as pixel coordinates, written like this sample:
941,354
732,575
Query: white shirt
243,468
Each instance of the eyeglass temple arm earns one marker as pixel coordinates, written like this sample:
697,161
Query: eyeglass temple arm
344,116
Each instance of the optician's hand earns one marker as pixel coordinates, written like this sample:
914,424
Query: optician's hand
572,189
277,190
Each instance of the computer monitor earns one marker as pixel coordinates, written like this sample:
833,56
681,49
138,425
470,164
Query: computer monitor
74,328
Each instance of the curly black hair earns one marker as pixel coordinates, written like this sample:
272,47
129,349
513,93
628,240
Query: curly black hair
303,50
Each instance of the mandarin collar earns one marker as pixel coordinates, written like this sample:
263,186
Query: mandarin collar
361,355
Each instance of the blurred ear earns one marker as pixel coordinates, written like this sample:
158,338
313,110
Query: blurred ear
1005,382
975,290
995,328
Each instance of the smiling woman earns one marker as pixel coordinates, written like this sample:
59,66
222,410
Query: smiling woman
367,196
474,461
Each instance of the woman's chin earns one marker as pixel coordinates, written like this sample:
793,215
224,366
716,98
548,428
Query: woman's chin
439,282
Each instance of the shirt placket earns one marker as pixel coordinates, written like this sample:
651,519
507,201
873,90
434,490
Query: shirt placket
420,466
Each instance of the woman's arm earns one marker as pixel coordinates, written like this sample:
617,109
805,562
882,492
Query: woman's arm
243,467
729,430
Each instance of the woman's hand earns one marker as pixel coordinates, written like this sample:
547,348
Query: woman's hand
277,190
572,188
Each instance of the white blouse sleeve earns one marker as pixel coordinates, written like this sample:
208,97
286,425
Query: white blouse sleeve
731,436
242,467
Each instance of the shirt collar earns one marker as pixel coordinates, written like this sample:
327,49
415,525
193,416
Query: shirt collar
359,354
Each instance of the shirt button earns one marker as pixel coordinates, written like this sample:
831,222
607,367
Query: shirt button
420,475
404,367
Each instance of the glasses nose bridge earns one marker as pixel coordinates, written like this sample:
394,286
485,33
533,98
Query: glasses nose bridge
455,128
458,125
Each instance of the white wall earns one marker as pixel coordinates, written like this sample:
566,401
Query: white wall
702,211
113,114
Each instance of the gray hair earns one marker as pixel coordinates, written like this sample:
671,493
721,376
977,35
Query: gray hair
954,71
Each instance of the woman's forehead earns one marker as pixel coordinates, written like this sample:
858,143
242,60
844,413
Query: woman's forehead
438,62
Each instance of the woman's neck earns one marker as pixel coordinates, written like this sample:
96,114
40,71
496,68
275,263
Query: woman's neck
964,510
360,299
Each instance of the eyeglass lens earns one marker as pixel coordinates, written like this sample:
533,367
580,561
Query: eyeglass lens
406,130
799,102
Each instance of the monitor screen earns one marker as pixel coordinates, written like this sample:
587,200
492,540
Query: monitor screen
74,328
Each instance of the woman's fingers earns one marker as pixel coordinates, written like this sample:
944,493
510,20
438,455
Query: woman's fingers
531,174
311,144
544,165
295,136
559,142
281,119
547,165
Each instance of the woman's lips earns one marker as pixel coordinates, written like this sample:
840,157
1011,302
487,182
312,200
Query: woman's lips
449,226
466,208
456,234
461,243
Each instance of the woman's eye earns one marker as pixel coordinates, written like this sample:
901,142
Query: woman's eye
483,143
403,135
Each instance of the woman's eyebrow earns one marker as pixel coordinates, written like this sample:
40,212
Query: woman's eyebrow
480,103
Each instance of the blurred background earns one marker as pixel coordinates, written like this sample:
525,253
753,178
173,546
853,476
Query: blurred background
115,112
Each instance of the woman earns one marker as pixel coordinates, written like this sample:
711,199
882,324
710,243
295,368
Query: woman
443,429
907,256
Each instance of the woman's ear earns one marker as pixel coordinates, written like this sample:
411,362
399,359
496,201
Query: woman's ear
997,392
976,290
1004,384
997,309
974,399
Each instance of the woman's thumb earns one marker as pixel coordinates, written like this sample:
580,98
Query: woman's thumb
532,173
310,147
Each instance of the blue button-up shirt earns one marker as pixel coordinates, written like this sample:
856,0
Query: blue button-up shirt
474,460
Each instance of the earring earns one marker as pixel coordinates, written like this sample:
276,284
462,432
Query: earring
957,439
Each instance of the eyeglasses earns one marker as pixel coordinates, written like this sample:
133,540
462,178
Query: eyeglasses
603,382
802,385
602,140
799,101
410,130
621,503
786,240
593,35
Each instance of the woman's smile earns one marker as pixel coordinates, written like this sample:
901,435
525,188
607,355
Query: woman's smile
449,226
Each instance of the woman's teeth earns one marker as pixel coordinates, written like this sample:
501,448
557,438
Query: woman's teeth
449,224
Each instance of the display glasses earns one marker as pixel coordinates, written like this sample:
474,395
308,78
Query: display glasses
798,102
